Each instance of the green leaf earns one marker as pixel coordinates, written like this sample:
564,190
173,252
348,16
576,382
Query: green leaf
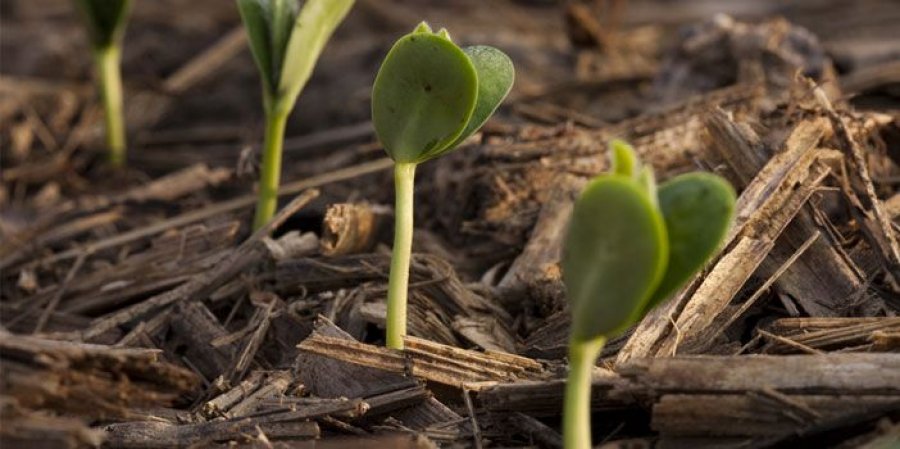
496,75
423,96
286,44
105,20
623,160
647,180
313,27
698,209
255,15
615,256
282,15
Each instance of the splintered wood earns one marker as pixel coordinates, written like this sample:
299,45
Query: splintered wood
84,380
139,310
821,279
82,377
702,401
329,377
427,360
821,334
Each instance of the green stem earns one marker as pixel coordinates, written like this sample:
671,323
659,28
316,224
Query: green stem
404,180
577,406
270,174
107,61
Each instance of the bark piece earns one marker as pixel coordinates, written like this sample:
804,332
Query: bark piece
427,360
761,415
833,374
535,274
821,279
87,380
329,377
545,398
26,429
716,401
856,334
193,330
151,434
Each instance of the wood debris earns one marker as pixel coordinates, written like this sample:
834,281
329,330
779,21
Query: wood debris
137,309
740,400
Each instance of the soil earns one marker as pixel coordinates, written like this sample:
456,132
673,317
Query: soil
139,310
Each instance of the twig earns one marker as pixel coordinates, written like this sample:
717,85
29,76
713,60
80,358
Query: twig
476,431
766,285
789,342
45,315
255,341
209,61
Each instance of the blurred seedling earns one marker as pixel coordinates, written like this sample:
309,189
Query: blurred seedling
286,41
105,22
630,245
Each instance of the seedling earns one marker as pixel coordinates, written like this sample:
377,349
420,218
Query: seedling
105,22
286,41
429,96
629,246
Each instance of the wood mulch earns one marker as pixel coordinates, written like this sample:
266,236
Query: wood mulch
137,310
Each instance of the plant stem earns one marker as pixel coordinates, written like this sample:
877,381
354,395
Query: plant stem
404,180
577,406
107,61
270,174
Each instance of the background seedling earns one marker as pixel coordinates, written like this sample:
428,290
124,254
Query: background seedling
105,22
429,96
286,42
629,246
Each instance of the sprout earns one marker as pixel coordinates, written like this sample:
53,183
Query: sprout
429,96
105,22
285,41
629,246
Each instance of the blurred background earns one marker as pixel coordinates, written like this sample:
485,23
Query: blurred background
199,87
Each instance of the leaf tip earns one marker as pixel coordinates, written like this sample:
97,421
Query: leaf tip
623,160
423,27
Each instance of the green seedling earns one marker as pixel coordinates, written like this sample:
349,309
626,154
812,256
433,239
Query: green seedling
105,21
629,246
429,96
286,41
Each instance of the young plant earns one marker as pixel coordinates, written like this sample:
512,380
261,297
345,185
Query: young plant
286,41
429,96
105,21
629,246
